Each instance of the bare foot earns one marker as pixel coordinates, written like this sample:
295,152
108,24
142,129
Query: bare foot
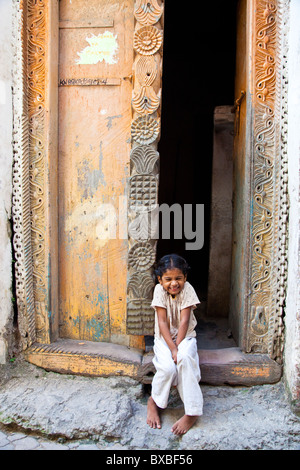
153,414
183,424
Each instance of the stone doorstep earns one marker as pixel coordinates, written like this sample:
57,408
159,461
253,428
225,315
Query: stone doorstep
218,366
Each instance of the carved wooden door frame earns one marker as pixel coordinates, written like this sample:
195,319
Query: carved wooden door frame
35,162
262,267
35,168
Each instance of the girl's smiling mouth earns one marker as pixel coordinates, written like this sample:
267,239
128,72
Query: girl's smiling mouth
174,289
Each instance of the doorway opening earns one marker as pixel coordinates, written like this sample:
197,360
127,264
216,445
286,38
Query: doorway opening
198,76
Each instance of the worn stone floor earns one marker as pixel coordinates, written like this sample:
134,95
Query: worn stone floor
44,410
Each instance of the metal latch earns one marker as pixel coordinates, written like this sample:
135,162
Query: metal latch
236,110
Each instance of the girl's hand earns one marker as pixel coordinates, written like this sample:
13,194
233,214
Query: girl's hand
174,354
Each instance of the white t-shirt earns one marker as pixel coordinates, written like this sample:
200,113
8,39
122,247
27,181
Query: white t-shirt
186,298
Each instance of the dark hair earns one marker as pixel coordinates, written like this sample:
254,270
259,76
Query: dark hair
170,262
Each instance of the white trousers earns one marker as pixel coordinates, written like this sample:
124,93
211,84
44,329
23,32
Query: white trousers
185,375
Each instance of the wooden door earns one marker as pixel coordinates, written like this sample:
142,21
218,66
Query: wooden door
241,176
95,63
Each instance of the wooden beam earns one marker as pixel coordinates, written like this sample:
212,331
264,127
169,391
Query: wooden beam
88,358
218,366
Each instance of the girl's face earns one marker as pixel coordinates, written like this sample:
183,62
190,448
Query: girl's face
172,281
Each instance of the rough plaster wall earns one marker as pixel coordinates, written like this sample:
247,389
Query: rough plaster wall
292,319
5,173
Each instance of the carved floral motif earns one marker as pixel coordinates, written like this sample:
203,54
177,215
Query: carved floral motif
141,256
145,130
147,40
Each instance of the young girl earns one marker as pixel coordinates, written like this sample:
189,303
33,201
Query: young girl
176,357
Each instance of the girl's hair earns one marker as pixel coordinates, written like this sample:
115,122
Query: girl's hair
170,262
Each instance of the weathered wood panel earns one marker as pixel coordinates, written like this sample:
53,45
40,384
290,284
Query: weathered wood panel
96,58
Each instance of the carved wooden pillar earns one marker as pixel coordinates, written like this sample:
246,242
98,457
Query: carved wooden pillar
145,130
35,162
21,187
262,177
269,186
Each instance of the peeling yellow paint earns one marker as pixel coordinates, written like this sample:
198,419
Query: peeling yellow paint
101,48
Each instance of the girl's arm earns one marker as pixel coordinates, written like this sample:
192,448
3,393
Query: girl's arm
165,331
183,325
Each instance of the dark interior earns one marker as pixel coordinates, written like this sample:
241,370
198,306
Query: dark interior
198,75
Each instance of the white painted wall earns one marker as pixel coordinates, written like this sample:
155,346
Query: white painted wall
5,173
292,318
